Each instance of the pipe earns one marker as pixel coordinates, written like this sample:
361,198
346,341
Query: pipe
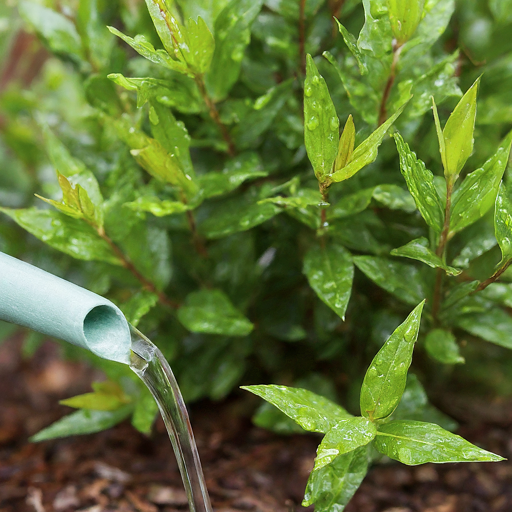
46,303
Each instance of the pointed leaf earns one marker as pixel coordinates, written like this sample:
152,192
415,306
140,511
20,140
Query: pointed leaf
419,250
478,191
346,144
321,123
311,411
104,398
347,435
385,379
400,279
83,422
332,487
420,182
330,272
351,43
415,442
494,326
367,151
212,312
442,346
503,223
201,44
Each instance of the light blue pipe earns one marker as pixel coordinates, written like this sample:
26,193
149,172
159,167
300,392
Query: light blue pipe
46,303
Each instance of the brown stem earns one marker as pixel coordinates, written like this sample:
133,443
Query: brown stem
214,114
128,265
302,36
441,248
196,238
336,6
484,284
397,50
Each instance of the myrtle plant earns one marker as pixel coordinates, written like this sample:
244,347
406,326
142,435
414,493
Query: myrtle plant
266,195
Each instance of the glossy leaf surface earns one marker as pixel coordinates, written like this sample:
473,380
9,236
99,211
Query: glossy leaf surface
442,346
405,16
494,326
311,411
385,379
415,442
503,222
211,311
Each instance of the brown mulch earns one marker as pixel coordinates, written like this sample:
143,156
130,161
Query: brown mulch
247,469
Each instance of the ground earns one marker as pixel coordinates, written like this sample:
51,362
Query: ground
246,468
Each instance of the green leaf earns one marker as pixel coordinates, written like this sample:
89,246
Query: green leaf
394,197
56,30
143,47
419,250
107,396
211,311
352,45
477,245
405,16
456,140
332,487
243,167
235,215
330,272
442,346
201,44
494,326
500,293
351,204
144,412
232,35
503,223
385,379
478,191
420,182
138,306
346,144
347,435
158,207
304,197
367,151
177,91
400,279
172,135
71,236
312,412
415,442
321,123
82,422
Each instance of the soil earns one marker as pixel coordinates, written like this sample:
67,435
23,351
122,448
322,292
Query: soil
247,469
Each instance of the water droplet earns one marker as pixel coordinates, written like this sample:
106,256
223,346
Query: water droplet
334,123
315,80
313,123
410,333
308,91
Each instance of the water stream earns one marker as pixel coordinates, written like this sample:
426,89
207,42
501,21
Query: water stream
152,367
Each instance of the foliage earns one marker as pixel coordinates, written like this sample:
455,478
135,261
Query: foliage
262,189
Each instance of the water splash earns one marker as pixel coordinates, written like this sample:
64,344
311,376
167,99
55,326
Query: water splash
151,366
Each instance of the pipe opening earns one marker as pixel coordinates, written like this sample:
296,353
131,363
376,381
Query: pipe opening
106,333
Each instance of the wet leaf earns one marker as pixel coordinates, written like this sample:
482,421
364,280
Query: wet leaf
415,442
420,182
478,191
456,139
477,245
351,204
158,207
394,197
232,35
83,422
321,123
304,197
345,436
503,223
442,346
384,382
352,45
405,16
330,272
494,326
211,311
201,44
367,151
243,167
332,486
312,412
71,236
346,144
402,280
419,250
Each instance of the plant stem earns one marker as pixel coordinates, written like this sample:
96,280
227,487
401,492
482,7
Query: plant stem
196,238
397,50
335,6
324,190
128,265
441,249
484,284
214,114
302,36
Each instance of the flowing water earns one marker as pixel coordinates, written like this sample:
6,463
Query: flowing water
152,367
